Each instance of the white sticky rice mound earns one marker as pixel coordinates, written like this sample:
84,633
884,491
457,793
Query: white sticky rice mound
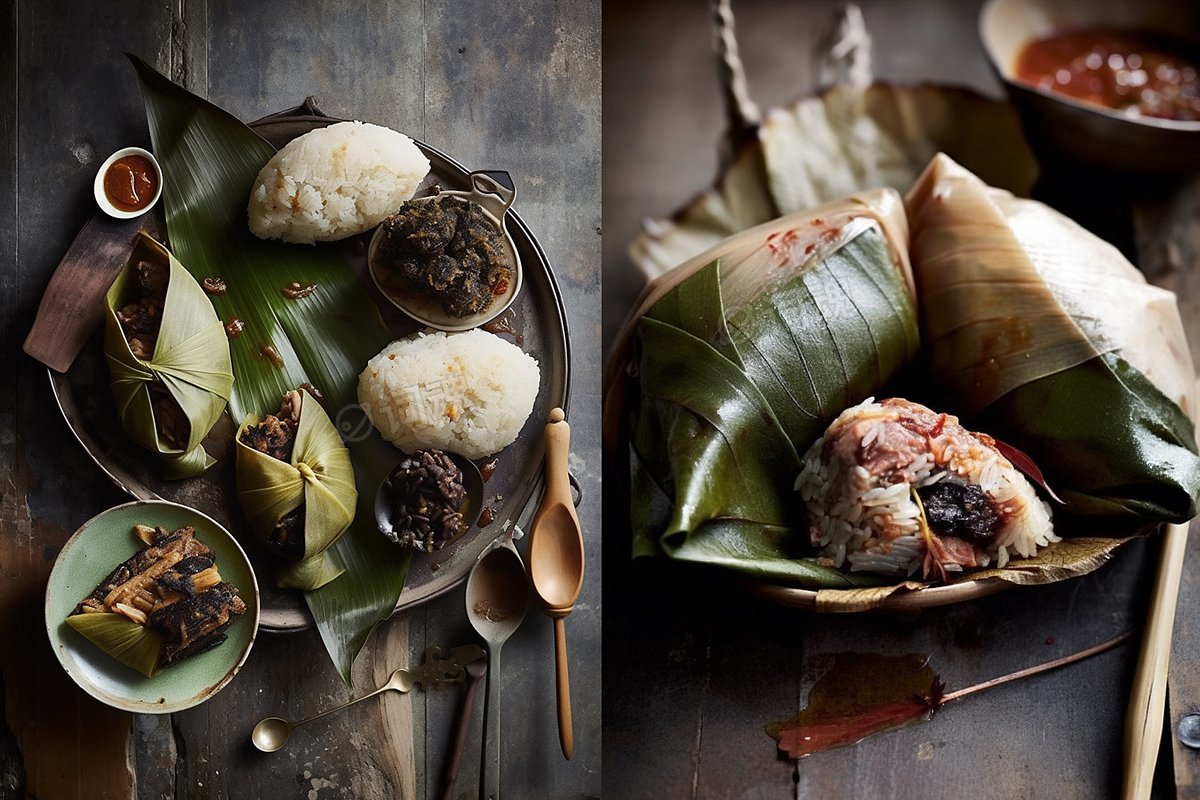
873,526
334,182
466,392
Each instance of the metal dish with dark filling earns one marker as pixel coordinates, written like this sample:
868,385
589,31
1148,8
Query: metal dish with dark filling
427,494
446,249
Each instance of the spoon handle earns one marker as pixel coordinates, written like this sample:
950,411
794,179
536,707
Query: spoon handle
558,446
460,734
489,776
329,711
565,736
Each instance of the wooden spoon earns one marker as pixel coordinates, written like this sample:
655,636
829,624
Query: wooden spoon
556,560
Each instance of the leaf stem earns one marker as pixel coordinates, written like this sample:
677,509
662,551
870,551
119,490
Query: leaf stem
1049,665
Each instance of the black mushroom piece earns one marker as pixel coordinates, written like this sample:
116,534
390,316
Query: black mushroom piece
447,249
427,495
961,510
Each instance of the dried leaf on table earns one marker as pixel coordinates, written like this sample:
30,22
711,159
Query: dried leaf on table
863,694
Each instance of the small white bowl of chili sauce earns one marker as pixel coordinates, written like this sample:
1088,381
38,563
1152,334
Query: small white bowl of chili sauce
129,183
1110,83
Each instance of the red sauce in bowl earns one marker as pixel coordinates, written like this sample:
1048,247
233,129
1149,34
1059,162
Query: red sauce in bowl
1141,73
130,183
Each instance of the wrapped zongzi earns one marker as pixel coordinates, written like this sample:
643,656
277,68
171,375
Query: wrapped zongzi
166,603
295,484
168,357
1049,339
733,364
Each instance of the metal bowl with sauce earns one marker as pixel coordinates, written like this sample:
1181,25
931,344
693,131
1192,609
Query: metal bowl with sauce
493,191
1058,124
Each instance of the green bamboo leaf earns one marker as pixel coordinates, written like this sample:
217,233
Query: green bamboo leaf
190,359
728,456
728,393
820,343
209,161
1064,421
136,646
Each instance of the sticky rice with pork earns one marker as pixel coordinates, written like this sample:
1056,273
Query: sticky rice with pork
896,488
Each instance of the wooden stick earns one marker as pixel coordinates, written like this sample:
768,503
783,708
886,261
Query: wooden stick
958,694
1147,700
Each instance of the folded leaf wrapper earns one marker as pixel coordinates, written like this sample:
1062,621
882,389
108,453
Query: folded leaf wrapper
319,476
136,646
1055,343
735,361
190,360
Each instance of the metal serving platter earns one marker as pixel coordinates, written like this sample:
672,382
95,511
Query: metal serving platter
538,323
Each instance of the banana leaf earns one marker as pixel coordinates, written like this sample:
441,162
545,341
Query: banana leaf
209,161
136,646
1056,344
190,361
318,476
737,361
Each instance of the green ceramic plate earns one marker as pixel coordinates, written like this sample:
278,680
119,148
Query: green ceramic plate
89,556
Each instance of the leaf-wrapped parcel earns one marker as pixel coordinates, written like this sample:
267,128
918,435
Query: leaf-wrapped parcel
168,399
300,506
735,361
1056,344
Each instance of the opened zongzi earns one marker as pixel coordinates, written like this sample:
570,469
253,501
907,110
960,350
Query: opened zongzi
733,364
168,357
295,483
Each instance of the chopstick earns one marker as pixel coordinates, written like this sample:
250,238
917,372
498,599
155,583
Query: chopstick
1148,698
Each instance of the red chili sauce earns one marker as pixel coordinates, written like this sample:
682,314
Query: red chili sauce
1140,73
130,183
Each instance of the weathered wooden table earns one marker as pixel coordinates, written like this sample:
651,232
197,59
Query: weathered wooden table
514,86
694,671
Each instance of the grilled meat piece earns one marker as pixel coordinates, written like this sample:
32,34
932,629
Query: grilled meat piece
195,620
172,586
425,228
141,319
166,549
173,425
288,534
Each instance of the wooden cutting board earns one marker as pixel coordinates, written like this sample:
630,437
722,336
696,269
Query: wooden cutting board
72,305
